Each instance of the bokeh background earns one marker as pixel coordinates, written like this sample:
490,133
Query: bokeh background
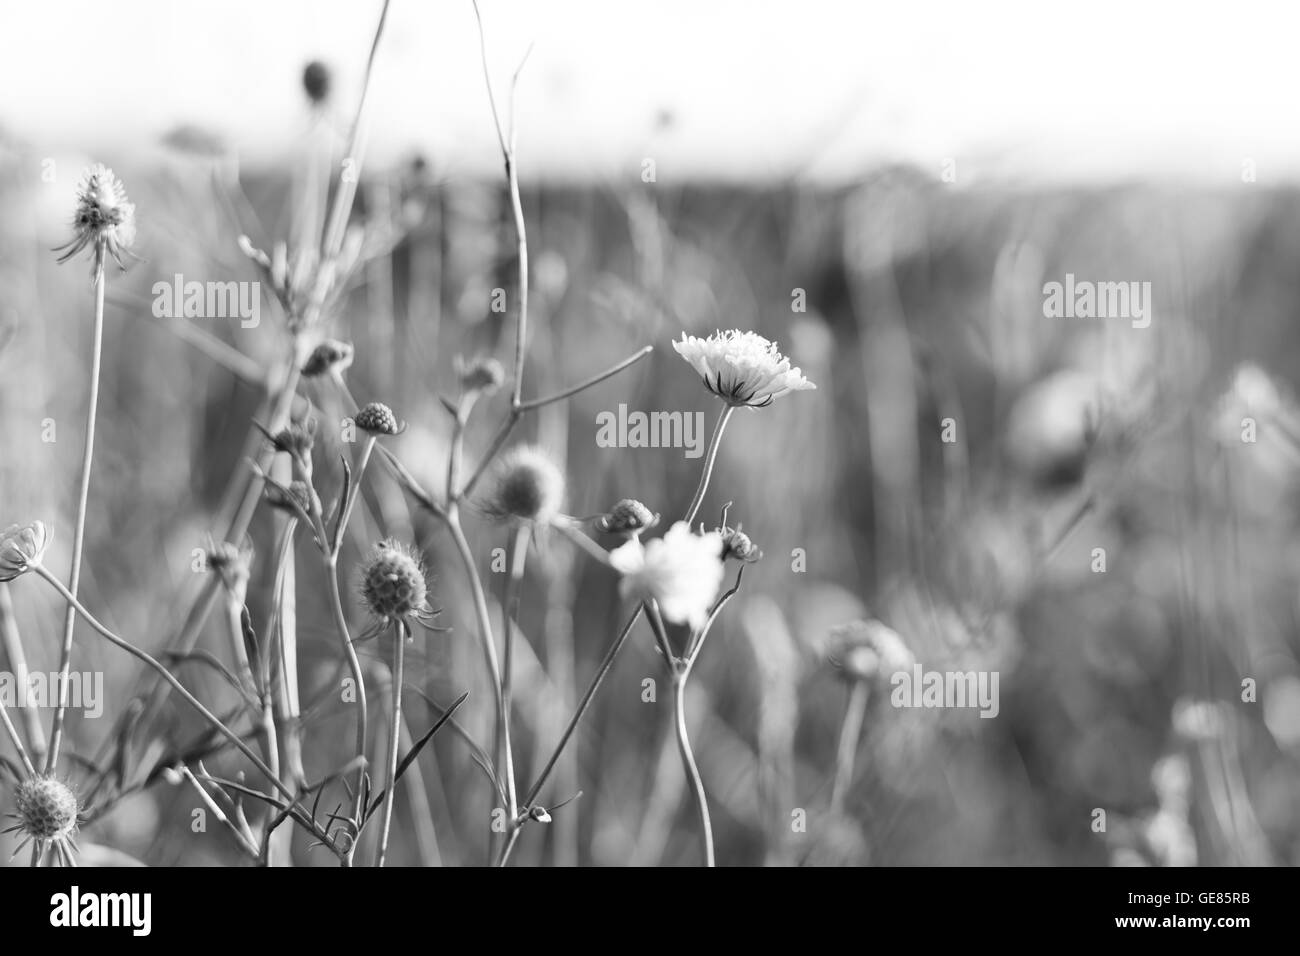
892,231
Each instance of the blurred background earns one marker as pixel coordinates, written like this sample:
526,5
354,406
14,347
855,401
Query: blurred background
884,192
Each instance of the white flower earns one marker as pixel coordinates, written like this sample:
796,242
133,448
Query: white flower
681,571
21,546
742,368
104,219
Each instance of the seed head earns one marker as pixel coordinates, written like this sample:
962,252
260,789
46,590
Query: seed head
393,586
736,544
297,440
47,809
21,546
316,81
529,486
330,356
104,219
233,565
629,516
378,419
284,498
481,375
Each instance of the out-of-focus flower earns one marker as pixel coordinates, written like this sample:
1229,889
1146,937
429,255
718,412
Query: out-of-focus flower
483,375
681,571
233,565
1198,720
1053,425
529,487
104,220
331,355
316,81
742,368
866,650
21,547
629,516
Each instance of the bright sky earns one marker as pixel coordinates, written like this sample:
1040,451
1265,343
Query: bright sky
819,88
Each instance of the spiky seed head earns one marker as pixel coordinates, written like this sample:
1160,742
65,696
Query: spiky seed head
104,219
629,516
47,809
331,355
392,582
481,375
316,81
377,419
21,547
529,486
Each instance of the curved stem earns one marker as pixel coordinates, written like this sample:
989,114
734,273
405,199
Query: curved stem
79,529
688,761
710,457
394,738
166,675
358,678
17,741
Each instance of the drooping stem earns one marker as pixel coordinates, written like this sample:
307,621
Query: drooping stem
394,738
79,529
709,458
845,754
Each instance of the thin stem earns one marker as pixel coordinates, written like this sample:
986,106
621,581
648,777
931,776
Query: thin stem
358,678
17,741
502,745
845,754
513,586
710,457
606,665
79,529
534,403
394,738
688,761
166,675
353,494
17,659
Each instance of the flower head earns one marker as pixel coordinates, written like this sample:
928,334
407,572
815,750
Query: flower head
629,517
529,486
378,419
742,368
46,813
864,650
316,81
682,571
483,375
21,546
330,356
393,584
104,218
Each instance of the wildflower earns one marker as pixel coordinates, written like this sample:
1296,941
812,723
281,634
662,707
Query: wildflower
21,547
736,544
47,813
316,81
742,368
296,440
481,375
680,571
104,219
393,585
529,486
864,650
378,419
233,565
330,356
628,517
